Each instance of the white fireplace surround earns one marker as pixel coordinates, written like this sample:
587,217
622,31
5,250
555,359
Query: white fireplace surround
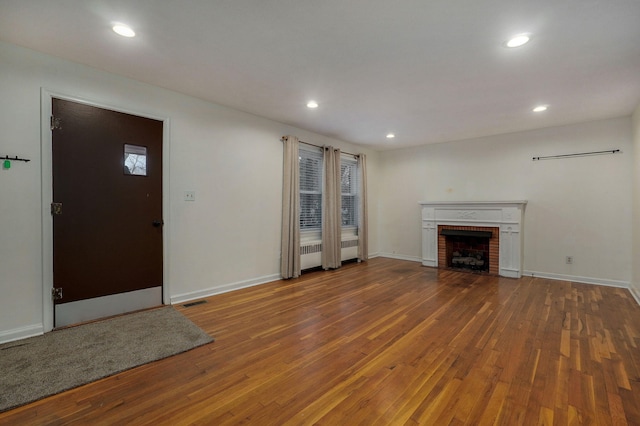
506,215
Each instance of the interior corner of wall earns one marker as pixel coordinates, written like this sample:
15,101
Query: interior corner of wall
634,288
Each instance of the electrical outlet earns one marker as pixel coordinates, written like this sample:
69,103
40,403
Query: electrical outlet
189,195
569,260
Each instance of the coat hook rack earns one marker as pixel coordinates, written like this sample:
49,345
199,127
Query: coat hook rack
580,154
6,157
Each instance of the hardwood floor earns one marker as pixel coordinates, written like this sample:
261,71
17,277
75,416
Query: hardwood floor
384,342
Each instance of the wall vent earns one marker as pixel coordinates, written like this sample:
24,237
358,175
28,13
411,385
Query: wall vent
199,302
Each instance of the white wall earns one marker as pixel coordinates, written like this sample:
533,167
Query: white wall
577,207
228,238
635,282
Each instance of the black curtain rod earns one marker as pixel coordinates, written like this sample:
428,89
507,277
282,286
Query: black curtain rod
580,154
322,147
6,157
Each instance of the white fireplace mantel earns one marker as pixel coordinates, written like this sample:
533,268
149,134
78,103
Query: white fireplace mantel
506,215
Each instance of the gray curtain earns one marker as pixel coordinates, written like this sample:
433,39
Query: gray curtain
290,242
331,210
363,225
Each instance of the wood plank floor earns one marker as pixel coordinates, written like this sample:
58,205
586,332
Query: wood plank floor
384,342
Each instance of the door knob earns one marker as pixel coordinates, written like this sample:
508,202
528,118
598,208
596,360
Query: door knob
157,223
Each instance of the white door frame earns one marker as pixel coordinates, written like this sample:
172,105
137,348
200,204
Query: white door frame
46,99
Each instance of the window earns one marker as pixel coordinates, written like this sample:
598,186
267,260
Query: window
349,185
311,174
135,160
310,188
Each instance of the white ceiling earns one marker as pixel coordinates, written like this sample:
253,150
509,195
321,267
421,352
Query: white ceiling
427,70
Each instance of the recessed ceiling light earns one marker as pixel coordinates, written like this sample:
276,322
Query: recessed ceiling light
518,40
390,136
540,108
312,104
123,30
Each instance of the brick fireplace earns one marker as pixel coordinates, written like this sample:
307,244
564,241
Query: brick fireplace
490,250
503,219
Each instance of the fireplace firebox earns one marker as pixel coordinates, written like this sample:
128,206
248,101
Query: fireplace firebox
467,250
471,248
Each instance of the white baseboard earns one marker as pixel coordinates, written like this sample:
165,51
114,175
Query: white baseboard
21,333
225,288
585,280
401,257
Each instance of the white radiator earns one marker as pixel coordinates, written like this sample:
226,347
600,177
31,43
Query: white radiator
311,252
349,248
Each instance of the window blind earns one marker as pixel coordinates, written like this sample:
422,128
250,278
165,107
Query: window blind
349,185
310,188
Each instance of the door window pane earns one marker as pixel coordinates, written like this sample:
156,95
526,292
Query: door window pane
135,160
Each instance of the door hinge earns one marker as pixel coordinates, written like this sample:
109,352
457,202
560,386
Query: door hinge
56,208
56,123
56,293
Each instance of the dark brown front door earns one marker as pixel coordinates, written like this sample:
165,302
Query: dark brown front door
107,175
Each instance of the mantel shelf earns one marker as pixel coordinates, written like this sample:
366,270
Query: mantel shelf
473,203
